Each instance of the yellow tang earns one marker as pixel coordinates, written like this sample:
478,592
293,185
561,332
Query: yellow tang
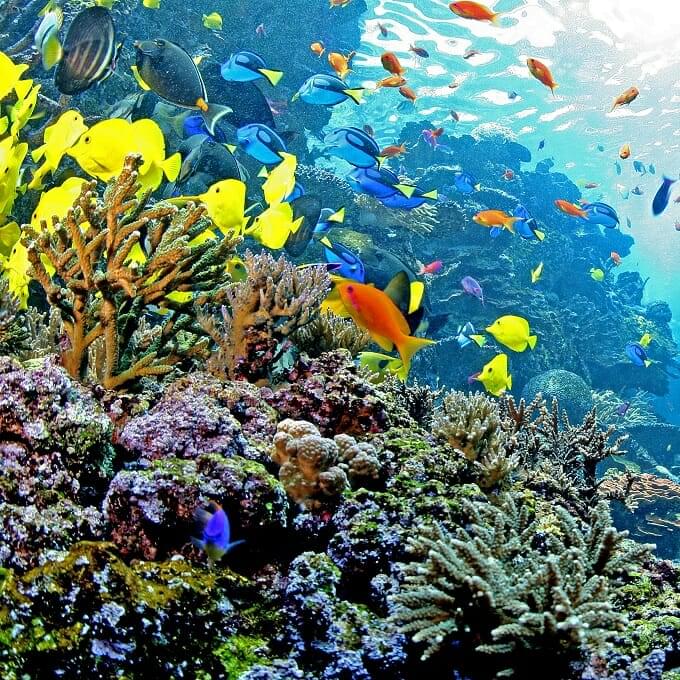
58,138
513,332
273,226
10,77
646,339
537,273
280,181
12,156
382,364
494,375
597,274
23,110
213,21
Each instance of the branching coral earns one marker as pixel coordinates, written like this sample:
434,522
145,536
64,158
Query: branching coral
13,328
102,295
506,586
275,300
308,461
328,332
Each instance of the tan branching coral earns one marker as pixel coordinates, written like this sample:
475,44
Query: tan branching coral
102,295
328,332
309,470
276,299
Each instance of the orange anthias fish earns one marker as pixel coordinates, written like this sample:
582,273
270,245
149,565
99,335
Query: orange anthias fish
570,209
393,150
373,309
496,218
391,63
474,10
340,63
624,152
542,73
508,175
615,258
406,91
391,81
625,97
318,48
339,3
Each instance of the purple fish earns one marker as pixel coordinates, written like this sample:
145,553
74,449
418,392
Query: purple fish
216,532
622,409
472,287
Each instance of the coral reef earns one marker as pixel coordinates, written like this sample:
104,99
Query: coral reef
14,333
260,313
103,296
328,332
515,585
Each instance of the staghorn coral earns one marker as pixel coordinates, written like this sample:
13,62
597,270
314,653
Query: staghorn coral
102,296
515,586
308,461
261,312
327,332
14,333
471,425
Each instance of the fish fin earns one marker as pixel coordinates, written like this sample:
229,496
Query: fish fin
231,148
264,173
383,342
326,242
171,166
431,194
477,186
539,235
213,114
648,363
52,52
509,224
399,290
417,290
138,77
38,153
406,189
4,124
356,94
532,341
408,346
479,340
198,542
496,18
272,76
22,88
508,384
338,216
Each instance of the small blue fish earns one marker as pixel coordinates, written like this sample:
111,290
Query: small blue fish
466,335
354,146
637,354
602,214
404,202
512,95
662,196
326,90
465,182
622,409
541,145
216,532
261,142
637,191
379,183
652,169
348,265
600,147
629,224
526,226
617,165
244,67
638,166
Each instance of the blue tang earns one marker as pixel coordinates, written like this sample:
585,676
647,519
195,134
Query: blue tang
526,226
602,214
195,125
348,265
298,190
638,166
354,146
244,66
328,218
465,182
261,142
637,354
652,169
662,196
326,90
215,539
617,165
379,183
403,202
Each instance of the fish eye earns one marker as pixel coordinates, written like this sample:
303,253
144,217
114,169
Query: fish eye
217,190
159,43
350,289
35,215
87,139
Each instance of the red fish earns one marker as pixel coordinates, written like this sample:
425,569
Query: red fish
391,63
542,73
615,258
393,150
570,209
432,268
408,93
391,81
508,175
625,97
474,10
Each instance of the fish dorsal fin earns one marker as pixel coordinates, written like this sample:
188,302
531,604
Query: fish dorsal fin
399,290
417,290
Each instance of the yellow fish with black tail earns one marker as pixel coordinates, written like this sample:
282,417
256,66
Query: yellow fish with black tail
513,332
382,365
58,139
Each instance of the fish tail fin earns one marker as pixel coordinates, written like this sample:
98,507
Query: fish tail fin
338,216
407,346
405,189
22,88
37,179
532,341
212,115
496,18
553,87
356,94
38,153
431,194
171,166
539,235
648,363
271,75
477,186
508,383
509,224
